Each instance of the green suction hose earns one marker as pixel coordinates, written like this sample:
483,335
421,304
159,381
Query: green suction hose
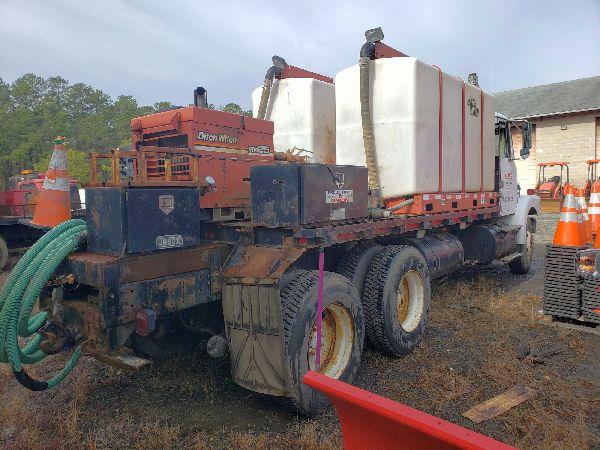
19,294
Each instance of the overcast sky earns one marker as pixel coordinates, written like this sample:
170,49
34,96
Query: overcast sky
161,50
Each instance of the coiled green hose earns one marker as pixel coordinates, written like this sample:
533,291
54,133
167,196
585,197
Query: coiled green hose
19,294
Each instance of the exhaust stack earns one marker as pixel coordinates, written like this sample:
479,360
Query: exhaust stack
200,97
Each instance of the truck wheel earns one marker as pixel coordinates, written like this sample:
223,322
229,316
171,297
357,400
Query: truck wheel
342,334
354,265
522,264
396,299
3,253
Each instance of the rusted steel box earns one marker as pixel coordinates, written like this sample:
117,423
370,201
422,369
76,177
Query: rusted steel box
139,220
303,194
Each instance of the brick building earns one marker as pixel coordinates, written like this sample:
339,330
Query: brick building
566,125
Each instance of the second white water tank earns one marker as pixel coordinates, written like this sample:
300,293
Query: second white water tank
405,107
303,113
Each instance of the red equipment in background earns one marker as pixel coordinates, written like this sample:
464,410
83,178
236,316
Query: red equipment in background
371,421
17,206
20,201
552,187
225,146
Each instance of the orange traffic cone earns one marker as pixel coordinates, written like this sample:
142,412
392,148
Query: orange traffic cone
594,209
597,241
585,218
569,232
54,200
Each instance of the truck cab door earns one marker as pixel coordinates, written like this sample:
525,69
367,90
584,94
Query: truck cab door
508,184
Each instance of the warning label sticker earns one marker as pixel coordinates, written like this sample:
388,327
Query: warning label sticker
337,214
166,203
339,196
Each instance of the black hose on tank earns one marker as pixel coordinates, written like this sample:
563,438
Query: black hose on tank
276,69
367,52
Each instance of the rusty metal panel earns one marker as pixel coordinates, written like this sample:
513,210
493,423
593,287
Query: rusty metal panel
102,270
256,262
253,324
170,293
92,269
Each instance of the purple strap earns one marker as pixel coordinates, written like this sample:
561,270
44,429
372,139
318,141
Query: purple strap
320,307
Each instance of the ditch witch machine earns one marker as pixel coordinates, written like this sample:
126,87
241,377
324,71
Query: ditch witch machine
213,231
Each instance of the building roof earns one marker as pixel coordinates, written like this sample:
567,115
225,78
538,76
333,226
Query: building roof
550,99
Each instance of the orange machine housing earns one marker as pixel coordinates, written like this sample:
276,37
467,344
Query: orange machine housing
226,144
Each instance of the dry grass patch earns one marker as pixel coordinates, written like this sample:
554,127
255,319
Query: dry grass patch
302,436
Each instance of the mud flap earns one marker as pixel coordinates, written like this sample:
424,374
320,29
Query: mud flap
254,327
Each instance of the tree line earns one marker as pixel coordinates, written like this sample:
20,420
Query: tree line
34,110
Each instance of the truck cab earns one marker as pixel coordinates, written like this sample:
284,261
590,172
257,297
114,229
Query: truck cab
506,169
515,209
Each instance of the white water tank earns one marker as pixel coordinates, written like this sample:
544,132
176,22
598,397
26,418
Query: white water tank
405,108
303,112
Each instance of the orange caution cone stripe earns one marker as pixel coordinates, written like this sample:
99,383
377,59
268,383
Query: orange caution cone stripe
594,209
54,201
569,230
586,224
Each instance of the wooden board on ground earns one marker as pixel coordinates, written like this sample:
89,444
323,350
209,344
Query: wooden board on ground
499,404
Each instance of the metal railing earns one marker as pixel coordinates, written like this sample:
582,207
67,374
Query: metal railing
150,166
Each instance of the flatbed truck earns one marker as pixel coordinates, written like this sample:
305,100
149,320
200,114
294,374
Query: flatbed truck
215,234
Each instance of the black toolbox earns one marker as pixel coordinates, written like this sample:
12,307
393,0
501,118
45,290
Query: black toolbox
294,194
139,220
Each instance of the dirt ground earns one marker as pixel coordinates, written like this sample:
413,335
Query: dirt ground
468,354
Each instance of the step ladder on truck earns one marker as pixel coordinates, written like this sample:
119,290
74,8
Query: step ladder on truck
221,230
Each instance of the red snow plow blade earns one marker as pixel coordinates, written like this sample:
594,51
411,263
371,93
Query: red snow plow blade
371,421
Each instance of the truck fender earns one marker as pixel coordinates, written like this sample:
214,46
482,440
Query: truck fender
527,205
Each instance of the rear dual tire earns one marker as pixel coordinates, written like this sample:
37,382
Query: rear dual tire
342,335
355,264
396,300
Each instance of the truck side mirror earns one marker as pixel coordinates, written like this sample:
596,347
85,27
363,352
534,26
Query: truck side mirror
526,133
